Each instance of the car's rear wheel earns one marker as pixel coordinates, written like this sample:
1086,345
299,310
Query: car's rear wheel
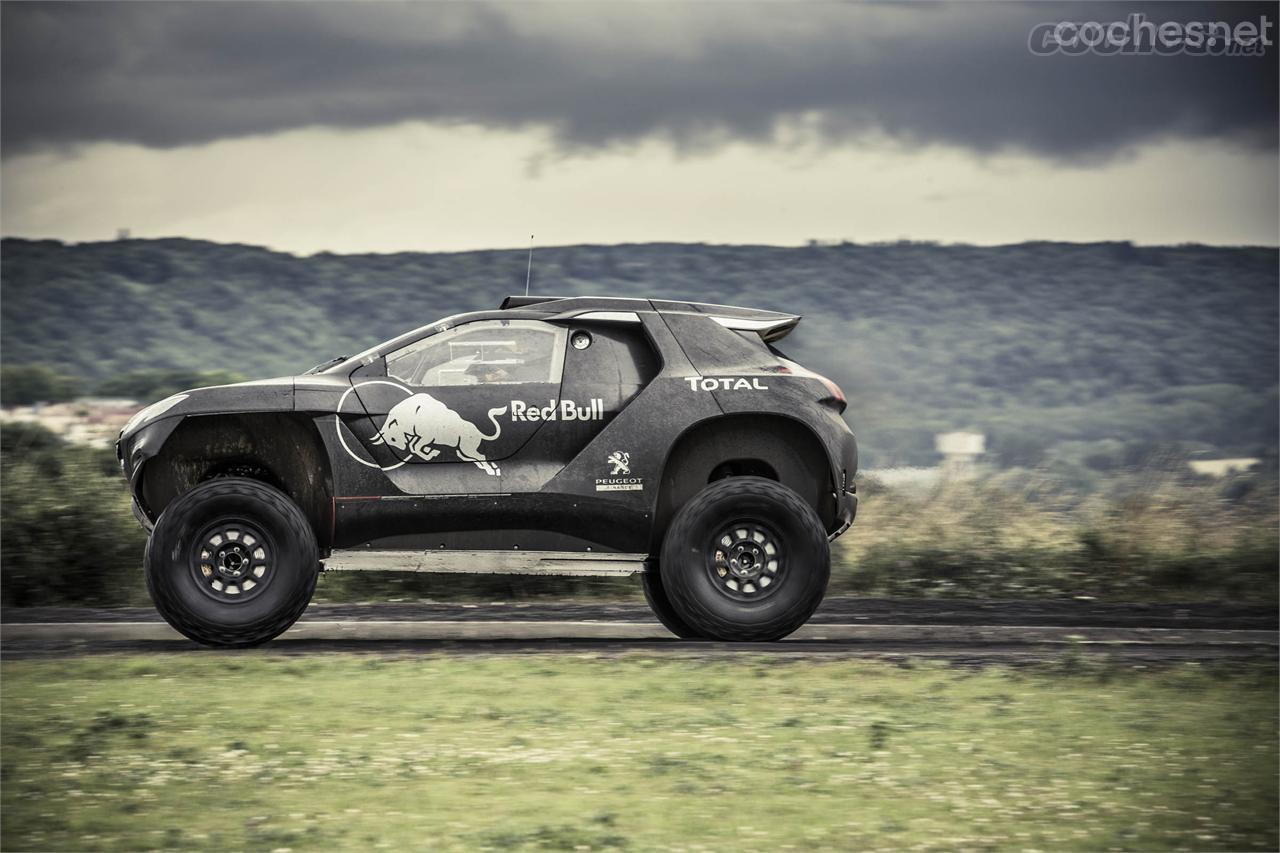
660,604
745,559
233,562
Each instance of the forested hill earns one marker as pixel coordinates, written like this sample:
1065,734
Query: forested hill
1091,349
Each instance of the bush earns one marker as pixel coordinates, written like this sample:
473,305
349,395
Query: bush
21,438
1143,535
24,384
69,536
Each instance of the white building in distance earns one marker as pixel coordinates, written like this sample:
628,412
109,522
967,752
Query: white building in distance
960,449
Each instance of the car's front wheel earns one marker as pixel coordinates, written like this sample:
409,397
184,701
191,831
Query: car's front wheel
745,559
233,562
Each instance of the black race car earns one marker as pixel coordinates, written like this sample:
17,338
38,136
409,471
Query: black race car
571,436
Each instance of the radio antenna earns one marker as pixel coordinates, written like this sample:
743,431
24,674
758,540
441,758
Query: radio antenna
529,269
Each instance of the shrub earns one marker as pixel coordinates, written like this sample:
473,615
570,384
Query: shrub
20,438
1021,534
24,384
69,537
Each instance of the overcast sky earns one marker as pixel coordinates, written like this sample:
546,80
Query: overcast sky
387,127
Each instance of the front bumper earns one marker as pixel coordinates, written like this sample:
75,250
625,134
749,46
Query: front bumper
133,451
140,515
130,472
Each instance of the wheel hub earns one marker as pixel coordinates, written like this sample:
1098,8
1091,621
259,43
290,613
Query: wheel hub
232,560
746,560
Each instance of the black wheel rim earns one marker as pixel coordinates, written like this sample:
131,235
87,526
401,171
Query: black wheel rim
232,560
746,560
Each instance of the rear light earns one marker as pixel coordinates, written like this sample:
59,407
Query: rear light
837,396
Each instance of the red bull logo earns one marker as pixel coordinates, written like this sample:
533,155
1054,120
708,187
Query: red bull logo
421,428
558,410
424,427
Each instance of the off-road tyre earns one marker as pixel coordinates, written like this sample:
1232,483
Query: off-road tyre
185,594
660,604
695,543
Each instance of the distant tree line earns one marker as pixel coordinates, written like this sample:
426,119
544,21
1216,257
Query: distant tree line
1059,352
26,384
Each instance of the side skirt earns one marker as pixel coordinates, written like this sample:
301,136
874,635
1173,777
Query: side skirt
571,563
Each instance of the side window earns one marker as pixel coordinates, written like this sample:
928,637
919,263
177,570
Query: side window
487,352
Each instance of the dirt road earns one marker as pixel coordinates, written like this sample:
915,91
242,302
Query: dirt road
963,631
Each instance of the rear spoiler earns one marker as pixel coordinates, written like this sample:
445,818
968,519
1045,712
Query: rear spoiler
769,330
769,325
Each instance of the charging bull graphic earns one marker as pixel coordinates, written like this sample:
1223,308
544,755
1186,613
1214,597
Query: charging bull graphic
422,425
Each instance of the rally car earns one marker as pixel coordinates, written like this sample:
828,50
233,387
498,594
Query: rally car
573,436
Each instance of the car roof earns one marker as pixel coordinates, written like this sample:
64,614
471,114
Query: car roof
769,325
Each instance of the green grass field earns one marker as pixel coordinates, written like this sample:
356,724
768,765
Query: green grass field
264,752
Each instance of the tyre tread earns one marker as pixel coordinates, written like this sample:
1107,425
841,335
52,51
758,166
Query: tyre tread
660,603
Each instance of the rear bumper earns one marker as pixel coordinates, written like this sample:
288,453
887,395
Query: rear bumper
846,511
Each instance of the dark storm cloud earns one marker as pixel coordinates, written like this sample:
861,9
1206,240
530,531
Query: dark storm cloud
164,74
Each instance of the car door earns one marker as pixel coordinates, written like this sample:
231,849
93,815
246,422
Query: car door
453,406
605,366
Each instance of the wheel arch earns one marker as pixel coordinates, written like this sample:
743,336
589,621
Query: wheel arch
767,445
281,449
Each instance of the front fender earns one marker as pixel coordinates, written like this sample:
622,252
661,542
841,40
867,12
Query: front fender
133,453
142,444
143,440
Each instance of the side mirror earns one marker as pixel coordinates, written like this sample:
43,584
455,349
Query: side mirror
377,367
